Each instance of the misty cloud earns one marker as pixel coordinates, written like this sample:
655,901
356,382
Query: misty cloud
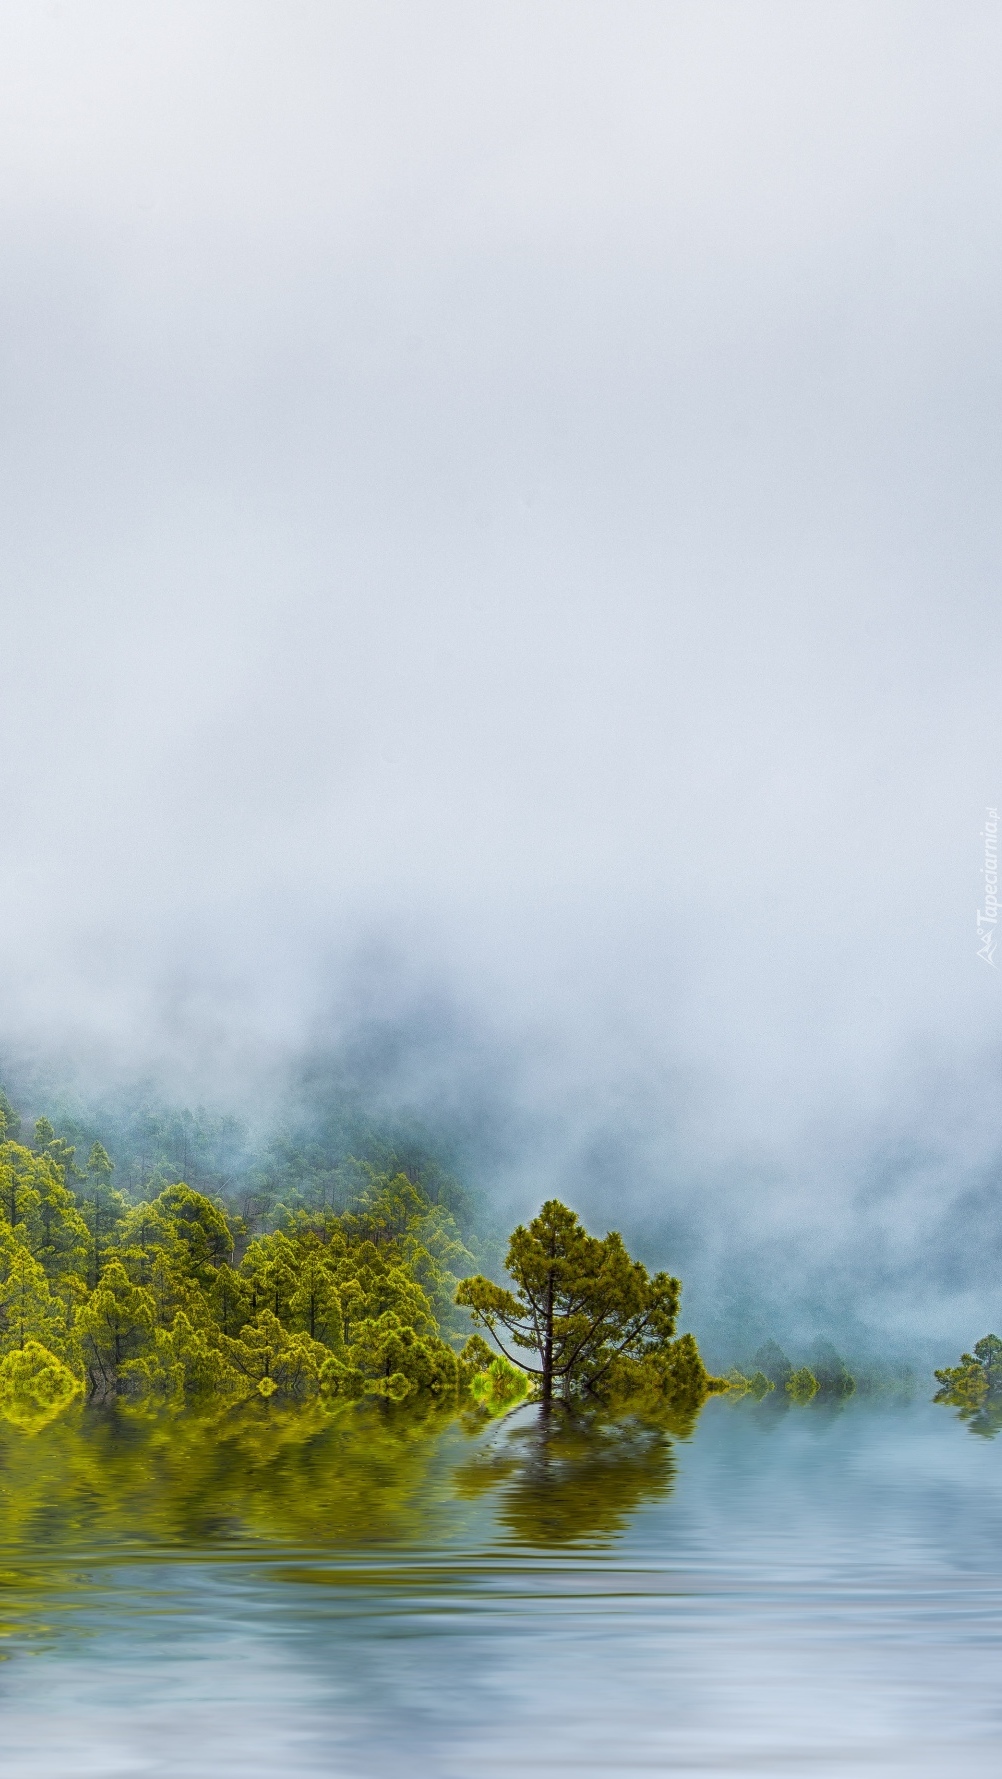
500,545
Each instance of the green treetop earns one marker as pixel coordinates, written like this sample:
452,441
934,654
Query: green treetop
102,1209
975,1386
592,1318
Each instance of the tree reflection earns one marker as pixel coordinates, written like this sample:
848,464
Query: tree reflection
103,1478
985,1419
363,1475
562,1477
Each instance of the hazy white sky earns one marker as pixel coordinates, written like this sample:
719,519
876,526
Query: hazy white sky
508,492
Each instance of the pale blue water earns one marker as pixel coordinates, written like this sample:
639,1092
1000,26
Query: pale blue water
804,1593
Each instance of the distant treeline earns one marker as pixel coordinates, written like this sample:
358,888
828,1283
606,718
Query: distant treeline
314,1153
821,1372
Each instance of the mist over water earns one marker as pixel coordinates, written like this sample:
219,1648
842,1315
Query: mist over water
500,547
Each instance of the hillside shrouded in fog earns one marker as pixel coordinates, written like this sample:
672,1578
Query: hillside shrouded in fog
500,551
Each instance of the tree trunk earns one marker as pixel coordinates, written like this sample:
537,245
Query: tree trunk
548,1345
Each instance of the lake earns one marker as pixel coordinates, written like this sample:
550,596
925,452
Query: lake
772,1591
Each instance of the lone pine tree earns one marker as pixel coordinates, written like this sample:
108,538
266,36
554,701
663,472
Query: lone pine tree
590,1316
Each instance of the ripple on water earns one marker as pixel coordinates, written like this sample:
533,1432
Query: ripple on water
779,1594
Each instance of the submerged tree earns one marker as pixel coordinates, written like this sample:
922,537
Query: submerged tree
592,1318
830,1369
802,1384
774,1365
975,1386
757,1385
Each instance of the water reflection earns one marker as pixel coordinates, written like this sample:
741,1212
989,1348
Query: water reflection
375,1593
985,1420
565,1478
111,1476
371,1474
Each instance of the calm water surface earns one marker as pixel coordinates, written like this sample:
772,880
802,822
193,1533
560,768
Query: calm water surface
814,1591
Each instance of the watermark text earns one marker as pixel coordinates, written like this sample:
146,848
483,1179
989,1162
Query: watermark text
989,915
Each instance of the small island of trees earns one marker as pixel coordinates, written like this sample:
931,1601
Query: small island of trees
974,1387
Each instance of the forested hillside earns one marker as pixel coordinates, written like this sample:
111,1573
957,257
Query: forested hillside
178,1297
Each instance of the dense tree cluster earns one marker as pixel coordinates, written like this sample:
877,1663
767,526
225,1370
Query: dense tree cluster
978,1375
975,1386
827,1373
174,1300
151,1299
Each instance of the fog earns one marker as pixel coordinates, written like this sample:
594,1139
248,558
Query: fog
500,549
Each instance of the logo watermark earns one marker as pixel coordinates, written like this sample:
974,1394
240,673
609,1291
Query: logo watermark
988,917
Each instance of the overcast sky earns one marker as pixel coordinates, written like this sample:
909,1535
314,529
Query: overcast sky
500,504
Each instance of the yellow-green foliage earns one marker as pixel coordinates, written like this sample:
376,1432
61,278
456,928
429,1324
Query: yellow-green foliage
156,1302
756,1386
975,1386
305,1475
34,1385
150,1301
964,1385
568,1477
587,1319
978,1375
802,1385
500,1386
